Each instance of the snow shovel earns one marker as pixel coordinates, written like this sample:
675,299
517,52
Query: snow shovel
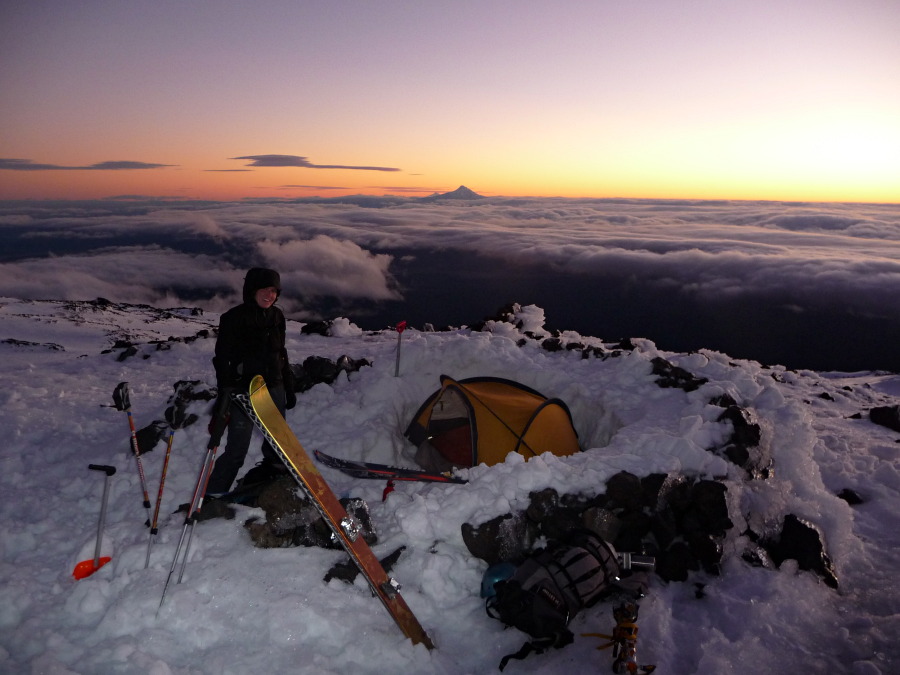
87,567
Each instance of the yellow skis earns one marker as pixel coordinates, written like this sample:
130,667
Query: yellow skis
262,410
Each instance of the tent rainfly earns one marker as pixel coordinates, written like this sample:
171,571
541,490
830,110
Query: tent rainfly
482,419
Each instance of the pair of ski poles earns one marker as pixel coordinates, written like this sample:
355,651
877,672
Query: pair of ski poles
217,428
175,418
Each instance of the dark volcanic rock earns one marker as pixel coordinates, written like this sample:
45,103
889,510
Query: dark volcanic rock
318,369
293,520
186,392
670,375
624,491
676,562
602,521
708,511
149,436
851,497
802,541
504,538
743,445
316,328
681,521
886,416
555,516
552,344
651,489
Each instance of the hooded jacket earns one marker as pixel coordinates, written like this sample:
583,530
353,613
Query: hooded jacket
251,339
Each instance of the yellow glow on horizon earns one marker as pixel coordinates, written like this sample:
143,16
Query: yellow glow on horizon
837,159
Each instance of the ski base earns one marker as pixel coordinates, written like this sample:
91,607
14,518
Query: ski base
359,469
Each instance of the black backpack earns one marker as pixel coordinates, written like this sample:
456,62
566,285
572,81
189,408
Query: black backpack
547,590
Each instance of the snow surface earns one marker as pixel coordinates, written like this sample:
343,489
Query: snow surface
241,609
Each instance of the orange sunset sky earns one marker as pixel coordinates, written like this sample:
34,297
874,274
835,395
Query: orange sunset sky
217,99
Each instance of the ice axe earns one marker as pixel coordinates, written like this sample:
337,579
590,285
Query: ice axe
400,328
87,567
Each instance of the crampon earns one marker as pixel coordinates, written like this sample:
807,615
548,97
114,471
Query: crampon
624,641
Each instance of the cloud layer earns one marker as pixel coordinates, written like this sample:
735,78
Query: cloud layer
365,254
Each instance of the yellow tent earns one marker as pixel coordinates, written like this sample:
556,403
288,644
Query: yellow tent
482,419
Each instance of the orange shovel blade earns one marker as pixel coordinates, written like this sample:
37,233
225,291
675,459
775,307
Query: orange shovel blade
86,567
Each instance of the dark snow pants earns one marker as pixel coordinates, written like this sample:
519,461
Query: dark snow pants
240,433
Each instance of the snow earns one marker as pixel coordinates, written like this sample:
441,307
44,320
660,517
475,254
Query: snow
242,609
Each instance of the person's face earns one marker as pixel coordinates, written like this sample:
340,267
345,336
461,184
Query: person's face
266,297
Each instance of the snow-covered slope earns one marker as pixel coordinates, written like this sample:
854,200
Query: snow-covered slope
243,609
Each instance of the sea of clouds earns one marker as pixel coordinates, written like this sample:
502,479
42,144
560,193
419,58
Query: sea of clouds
753,279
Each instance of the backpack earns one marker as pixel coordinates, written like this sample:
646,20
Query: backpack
547,590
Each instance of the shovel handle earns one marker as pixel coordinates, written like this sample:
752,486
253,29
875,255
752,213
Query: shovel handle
109,471
105,468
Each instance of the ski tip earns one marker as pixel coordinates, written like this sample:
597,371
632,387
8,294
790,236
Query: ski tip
257,383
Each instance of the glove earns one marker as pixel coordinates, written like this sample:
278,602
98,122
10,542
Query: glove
290,399
213,428
221,414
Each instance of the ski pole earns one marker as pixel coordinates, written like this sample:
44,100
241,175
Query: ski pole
217,428
162,481
400,328
204,479
189,521
122,400
175,418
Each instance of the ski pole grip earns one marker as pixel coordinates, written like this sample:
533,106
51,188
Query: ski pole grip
220,416
223,402
105,468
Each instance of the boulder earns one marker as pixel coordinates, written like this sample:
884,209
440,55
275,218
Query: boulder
800,540
887,416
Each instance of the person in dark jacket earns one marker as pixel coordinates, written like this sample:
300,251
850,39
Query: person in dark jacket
251,342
